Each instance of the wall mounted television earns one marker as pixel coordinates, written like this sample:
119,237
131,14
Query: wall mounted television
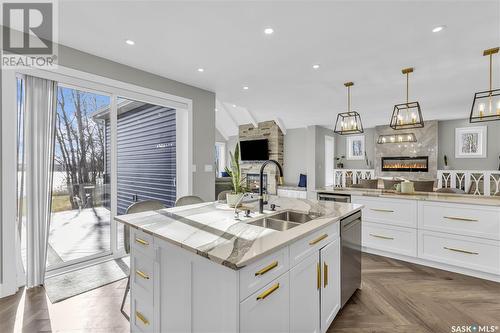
254,150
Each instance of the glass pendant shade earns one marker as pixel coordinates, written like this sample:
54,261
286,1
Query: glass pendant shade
407,115
397,138
348,122
486,104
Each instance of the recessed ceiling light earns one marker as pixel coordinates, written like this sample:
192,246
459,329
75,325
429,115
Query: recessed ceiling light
316,66
130,42
268,31
438,28
201,70
234,105
216,110
245,87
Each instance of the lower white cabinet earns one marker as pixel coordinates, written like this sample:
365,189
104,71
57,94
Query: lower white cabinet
267,311
305,296
330,283
175,290
464,238
292,193
315,290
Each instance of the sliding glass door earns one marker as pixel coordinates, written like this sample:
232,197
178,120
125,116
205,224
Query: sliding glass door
109,153
80,226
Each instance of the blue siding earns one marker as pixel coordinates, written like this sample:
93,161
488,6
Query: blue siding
146,141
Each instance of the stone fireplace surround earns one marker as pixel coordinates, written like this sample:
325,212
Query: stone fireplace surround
265,130
426,145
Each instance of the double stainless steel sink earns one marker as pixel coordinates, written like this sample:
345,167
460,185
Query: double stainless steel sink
284,220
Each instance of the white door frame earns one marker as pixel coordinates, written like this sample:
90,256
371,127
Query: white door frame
327,154
114,88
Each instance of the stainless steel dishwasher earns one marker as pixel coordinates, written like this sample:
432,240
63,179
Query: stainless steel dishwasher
325,196
350,252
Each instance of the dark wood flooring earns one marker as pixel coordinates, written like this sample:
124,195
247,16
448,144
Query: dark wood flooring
395,297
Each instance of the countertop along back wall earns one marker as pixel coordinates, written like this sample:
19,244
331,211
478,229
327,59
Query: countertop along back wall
203,107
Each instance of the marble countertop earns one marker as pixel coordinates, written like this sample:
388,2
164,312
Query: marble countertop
424,196
210,230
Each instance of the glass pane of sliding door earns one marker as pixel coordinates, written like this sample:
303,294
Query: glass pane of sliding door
146,155
80,226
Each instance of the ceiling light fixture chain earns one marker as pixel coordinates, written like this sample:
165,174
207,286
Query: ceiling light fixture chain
407,115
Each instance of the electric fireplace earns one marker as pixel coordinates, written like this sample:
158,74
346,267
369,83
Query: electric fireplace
405,163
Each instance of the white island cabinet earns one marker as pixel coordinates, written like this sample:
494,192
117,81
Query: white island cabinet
294,289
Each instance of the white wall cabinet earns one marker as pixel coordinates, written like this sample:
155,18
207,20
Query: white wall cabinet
179,291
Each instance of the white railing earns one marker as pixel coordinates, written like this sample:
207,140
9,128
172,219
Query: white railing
340,176
479,182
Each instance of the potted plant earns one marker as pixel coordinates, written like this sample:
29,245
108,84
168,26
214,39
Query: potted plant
340,161
237,181
446,166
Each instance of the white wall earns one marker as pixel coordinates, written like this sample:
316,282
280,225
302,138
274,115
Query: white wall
294,150
446,146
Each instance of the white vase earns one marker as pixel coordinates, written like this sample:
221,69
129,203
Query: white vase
232,199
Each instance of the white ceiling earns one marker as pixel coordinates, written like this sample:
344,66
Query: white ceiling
367,42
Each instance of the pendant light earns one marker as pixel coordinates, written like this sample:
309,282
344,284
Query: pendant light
407,115
486,104
348,122
397,138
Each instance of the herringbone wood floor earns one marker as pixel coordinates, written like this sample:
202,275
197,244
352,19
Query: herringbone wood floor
400,297
395,297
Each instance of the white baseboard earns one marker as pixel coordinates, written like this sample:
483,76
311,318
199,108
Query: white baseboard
433,264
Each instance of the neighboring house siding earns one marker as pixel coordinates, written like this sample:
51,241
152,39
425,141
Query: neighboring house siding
146,144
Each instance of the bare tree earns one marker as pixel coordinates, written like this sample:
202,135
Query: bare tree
80,141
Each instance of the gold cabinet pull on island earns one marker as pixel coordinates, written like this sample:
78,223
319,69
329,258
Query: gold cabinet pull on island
267,268
268,292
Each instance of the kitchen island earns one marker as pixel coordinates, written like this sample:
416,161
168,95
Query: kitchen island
454,232
198,269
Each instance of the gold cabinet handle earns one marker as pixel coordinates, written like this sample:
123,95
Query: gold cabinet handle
382,210
141,241
268,292
142,318
142,274
318,283
380,236
459,250
325,275
267,268
319,239
466,219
